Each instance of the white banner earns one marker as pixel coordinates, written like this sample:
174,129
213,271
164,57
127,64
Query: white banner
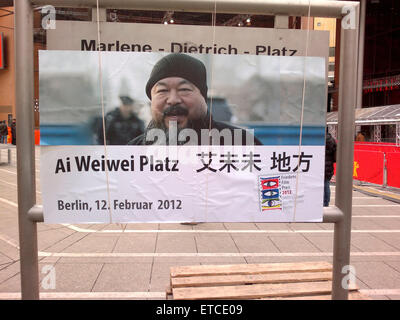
80,184
273,183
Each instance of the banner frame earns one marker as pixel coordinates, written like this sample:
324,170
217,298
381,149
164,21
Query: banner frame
29,213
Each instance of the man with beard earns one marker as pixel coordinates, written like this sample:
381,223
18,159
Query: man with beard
177,88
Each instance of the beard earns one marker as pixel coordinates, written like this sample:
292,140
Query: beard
171,134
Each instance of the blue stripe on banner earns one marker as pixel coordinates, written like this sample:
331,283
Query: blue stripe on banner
285,135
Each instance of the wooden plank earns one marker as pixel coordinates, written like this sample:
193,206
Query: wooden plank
210,281
313,297
354,295
184,271
254,291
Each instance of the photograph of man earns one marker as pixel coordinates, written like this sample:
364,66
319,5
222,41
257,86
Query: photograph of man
122,124
177,88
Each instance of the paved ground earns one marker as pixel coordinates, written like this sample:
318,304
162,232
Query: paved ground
133,261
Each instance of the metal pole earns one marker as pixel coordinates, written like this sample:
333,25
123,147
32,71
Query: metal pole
344,173
384,170
360,64
332,214
36,213
319,8
25,148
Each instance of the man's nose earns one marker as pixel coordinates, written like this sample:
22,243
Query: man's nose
174,97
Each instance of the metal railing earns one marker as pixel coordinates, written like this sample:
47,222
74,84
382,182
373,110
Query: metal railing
29,214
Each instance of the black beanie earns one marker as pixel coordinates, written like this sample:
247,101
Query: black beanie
179,65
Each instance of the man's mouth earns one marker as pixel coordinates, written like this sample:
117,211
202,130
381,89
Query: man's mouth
175,111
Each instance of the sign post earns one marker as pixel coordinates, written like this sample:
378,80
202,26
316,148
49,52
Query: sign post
26,149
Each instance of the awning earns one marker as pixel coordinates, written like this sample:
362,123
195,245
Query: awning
371,116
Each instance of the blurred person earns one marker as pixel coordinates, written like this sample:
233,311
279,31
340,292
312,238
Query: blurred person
14,132
330,159
360,137
177,88
3,132
122,124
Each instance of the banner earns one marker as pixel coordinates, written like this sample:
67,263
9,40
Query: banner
188,183
212,132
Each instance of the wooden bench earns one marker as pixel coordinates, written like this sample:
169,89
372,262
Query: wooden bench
305,280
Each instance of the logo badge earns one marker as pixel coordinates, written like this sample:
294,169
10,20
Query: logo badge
270,193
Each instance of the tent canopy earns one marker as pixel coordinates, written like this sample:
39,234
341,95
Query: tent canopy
371,116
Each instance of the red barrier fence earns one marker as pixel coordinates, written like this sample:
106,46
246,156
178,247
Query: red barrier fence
376,146
370,165
393,169
37,137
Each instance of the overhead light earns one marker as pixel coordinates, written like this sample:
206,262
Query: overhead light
248,20
168,17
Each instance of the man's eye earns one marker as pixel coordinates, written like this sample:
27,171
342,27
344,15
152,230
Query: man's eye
185,89
161,90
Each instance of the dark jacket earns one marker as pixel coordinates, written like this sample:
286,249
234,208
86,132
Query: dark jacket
119,131
3,129
14,133
140,140
330,156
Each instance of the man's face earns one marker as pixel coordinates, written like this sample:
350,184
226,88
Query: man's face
176,99
126,110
